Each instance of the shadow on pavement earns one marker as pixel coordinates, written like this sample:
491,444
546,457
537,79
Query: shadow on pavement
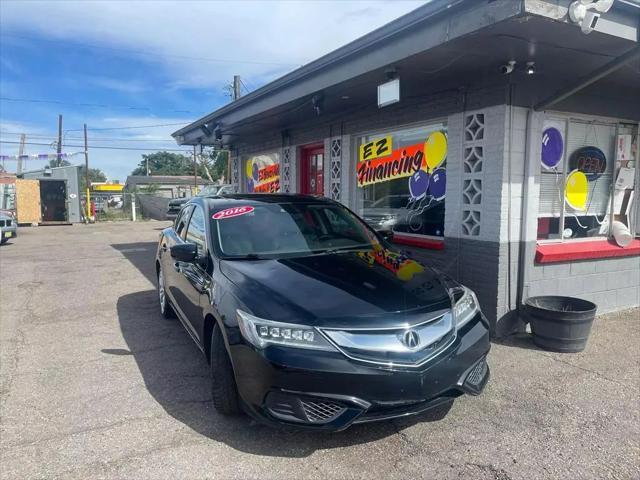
518,340
176,374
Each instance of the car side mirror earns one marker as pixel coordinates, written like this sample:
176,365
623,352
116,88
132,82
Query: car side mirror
387,235
185,252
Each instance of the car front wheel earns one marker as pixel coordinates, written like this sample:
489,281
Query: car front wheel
165,306
224,391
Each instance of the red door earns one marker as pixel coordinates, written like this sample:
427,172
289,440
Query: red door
311,170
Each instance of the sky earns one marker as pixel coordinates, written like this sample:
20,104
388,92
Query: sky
155,66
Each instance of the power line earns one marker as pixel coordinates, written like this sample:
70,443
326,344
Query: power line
128,128
103,147
95,139
90,105
161,55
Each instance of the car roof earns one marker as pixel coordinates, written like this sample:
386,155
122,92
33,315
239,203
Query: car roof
237,199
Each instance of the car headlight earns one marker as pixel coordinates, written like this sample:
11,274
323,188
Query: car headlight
465,308
261,333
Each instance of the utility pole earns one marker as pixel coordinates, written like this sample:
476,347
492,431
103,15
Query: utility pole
59,140
236,87
21,153
86,172
195,171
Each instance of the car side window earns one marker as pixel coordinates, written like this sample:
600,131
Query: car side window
181,221
196,232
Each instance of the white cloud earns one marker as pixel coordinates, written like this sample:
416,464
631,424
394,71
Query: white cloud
257,39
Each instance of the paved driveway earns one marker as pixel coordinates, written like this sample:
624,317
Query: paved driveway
95,384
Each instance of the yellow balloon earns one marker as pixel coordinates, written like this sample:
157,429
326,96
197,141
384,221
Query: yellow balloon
408,270
577,190
435,150
249,168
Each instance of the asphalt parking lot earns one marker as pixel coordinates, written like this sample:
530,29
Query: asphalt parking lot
95,384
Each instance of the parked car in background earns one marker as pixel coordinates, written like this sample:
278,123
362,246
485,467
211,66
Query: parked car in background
310,318
210,190
8,227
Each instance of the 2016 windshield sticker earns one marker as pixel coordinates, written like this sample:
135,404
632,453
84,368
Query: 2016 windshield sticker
232,212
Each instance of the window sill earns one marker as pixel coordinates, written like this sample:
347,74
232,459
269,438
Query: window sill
415,241
570,251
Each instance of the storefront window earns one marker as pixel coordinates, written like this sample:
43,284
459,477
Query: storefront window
579,162
262,173
401,180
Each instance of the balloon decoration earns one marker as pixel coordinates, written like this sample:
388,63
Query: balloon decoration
418,184
577,190
421,182
552,147
438,184
251,170
435,150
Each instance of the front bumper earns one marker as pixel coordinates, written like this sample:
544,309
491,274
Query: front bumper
9,232
327,391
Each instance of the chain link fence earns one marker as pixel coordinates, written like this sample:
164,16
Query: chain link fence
113,207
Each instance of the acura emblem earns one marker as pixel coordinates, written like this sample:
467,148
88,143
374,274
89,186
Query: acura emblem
411,339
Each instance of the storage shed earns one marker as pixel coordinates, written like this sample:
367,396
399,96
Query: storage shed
49,196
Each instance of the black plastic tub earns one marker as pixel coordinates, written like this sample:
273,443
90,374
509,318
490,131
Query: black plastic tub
560,324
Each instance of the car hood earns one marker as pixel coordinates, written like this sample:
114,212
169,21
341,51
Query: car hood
339,289
177,202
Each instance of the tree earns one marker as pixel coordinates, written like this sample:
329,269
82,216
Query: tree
58,163
95,175
166,163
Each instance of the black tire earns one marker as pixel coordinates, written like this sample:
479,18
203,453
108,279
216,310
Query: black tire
223,382
166,310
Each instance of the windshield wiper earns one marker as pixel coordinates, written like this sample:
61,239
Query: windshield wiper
331,251
248,256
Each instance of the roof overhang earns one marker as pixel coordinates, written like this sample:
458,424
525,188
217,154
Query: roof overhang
468,39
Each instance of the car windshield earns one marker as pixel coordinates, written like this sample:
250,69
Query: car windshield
208,191
288,229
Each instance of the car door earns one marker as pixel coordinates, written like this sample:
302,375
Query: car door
192,279
170,238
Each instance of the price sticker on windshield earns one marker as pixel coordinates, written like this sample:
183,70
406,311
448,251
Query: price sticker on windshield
232,212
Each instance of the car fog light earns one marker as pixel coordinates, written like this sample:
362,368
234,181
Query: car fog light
262,333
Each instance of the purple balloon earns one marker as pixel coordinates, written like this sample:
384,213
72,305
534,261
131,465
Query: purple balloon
552,147
418,184
256,172
250,187
438,184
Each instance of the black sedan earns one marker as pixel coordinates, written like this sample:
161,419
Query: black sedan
310,318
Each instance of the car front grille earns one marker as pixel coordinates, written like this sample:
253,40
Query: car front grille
321,411
389,346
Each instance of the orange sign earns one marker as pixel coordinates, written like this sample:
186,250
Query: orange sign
402,162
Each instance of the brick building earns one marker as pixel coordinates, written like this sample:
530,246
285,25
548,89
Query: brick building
490,136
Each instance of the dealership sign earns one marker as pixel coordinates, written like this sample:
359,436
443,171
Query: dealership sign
378,163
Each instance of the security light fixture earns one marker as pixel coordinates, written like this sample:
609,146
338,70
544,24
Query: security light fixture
531,68
205,129
507,68
586,13
217,131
